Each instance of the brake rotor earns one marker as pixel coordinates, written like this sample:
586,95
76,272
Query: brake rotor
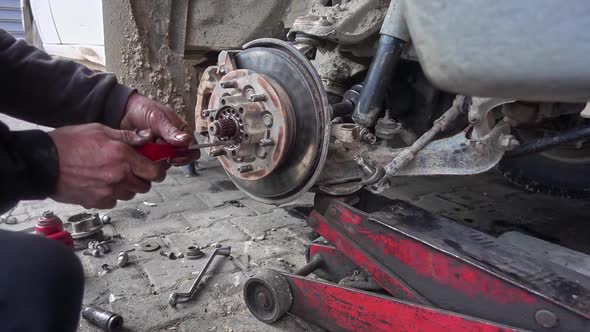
269,101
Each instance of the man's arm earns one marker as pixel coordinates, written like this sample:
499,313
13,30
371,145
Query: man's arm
53,92
92,165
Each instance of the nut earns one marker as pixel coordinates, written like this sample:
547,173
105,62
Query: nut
194,252
122,259
245,169
266,142
267,120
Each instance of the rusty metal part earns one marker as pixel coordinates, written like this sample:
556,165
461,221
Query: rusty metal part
346,23
282,119
367,136
484,113
148,246
387,129
194,252
256,112
83,225
345,132
176,298
408,154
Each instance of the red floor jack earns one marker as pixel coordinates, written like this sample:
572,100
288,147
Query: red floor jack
432,274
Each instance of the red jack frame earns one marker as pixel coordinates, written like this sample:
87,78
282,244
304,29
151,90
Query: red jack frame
435,275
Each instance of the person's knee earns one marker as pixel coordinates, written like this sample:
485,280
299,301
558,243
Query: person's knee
47,263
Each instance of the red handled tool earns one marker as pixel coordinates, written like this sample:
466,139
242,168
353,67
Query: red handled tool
163,151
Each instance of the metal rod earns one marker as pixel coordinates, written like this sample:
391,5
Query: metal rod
208,145
546,143
379,78
315,262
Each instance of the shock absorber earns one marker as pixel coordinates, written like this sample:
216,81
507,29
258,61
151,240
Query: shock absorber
394,36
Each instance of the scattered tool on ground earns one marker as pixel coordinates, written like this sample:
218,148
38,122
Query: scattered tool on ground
184,297
163,151
106,320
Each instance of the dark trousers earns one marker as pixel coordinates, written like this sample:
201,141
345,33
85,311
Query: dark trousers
41,284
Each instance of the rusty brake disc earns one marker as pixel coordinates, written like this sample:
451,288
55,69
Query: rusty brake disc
269,99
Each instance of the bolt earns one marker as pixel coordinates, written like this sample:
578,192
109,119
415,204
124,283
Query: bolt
245,168
217,153
103,248
261,152
105,219
509,142
473,118
91,252
267,120
546,318
222,69
258,97
229,84
369,137
207,112
266,142
367,169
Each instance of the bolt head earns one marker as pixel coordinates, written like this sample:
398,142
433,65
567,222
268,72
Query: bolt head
546,318
261,152
267,120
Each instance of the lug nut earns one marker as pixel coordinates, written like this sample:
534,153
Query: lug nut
245,169
261,152
267,120
258,97
370,138
266,142
229,84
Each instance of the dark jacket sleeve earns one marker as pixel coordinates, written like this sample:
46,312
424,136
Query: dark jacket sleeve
38,88
54,92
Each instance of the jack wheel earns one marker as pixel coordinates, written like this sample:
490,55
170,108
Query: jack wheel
268,296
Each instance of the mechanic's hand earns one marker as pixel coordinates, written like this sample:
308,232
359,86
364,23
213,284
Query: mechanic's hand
144,113
98,165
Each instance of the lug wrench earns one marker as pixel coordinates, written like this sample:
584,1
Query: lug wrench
184,297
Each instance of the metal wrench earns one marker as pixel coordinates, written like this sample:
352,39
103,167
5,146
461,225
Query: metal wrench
184,297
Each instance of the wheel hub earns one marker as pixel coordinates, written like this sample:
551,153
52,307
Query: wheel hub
255,113
268,102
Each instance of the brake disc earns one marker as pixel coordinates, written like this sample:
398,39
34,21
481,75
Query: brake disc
268,100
